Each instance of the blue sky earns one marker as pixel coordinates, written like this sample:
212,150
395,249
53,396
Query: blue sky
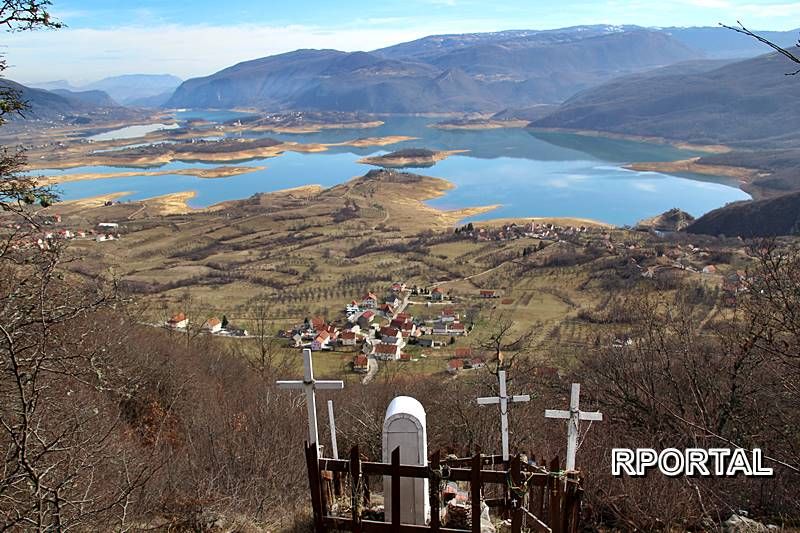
197,37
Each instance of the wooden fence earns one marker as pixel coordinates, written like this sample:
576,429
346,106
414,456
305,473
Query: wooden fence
533,497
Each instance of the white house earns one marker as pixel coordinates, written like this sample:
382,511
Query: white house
390,335
321,342
212,325
449,315
348,338
178,321
387,352
369,301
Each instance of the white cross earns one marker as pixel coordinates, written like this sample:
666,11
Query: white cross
503,400
573,416
310,384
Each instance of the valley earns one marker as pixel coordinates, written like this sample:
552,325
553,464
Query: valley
200,201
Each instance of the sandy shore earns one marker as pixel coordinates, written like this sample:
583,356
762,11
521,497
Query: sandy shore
171,204
94,201
391,161
744,175
207,173
375,141
168,155
706,148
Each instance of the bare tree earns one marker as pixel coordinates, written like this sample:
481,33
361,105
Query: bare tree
17,190
792,57
503,343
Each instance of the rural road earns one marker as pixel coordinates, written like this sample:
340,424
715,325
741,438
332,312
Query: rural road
372,369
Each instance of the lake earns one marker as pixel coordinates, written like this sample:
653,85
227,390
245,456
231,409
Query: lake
529,173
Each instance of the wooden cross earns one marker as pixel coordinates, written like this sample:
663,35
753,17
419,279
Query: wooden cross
502,399
310,385
573,416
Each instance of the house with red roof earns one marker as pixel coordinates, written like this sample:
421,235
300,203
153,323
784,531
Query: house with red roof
398,287
369,301
321,342
449,315
366,319
361,364
437,295
390,335
178,321
212,325
317,323
457,328
387,352
455,365
348,338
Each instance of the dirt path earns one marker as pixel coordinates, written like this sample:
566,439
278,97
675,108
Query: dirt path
372,370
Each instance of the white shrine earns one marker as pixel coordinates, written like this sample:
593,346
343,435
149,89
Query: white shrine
405,426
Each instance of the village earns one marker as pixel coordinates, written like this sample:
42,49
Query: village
47,236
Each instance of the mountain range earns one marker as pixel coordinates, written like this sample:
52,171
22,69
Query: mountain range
130,89
750,103
485,72
62,105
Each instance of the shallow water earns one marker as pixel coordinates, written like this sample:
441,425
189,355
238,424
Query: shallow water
131,132
529,173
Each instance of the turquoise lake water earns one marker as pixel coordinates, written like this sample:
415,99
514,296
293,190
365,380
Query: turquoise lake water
529,173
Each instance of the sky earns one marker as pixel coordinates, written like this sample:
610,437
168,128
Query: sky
189,38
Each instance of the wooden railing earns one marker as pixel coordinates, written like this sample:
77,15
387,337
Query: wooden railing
537,498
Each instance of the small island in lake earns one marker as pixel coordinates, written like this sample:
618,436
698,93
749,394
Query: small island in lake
409,158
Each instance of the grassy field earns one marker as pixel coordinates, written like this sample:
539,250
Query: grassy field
309,252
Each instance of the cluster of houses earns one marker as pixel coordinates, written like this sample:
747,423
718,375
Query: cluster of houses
46,239
531,230
212,326
449,323
379,328
464,360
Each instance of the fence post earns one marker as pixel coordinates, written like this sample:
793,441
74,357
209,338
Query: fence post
556,489
396,490
355,494
312,463
434,486
573,503
475,489
517,500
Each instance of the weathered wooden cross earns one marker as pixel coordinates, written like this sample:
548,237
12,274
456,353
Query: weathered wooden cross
502,399
573,416
310,385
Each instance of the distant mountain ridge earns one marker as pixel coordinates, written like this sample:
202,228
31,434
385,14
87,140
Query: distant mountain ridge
93,98
62,105
710,42
146,90
750,103
474,72
486,76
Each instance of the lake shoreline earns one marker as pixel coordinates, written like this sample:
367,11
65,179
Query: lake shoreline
681,145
